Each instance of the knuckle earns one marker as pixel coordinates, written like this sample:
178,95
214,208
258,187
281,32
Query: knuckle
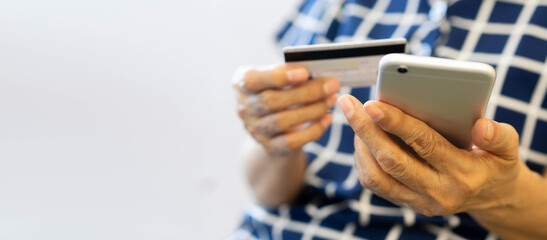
450,205
258,104
471,187
252,129
391,164
447,204
423,143
369,180
277,145
269,125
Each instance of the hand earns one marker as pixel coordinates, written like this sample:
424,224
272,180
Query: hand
450,180
281,109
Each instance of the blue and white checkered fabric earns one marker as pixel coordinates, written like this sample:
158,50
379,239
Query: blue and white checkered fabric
511,35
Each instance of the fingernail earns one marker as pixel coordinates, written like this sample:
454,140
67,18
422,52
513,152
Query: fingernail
331,86
373,111
332,100
326,120
346,106
297,75
489,131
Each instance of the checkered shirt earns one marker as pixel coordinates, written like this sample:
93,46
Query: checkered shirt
511,35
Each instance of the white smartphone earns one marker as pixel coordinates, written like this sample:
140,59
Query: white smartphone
448,95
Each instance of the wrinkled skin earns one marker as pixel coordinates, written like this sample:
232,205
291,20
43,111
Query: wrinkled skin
489,181
281,109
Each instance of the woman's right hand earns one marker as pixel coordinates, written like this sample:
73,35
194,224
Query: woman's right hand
281,109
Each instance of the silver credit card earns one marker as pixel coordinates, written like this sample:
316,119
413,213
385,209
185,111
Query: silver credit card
354,64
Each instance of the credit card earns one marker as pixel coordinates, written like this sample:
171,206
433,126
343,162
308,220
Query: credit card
354,64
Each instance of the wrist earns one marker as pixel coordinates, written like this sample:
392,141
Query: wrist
512,197
276,179
526,199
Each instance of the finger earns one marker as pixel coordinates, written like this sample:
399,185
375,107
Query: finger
374,178
258,79
274,100
425,141
283,121
295,140
241,105
500,139
390,156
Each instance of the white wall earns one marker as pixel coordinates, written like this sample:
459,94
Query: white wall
117,117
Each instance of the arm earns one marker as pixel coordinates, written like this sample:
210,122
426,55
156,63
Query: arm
282,111
489,181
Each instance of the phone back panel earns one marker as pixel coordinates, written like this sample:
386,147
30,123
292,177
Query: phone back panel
448,95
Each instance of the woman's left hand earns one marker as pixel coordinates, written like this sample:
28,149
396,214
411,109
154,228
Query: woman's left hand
451,180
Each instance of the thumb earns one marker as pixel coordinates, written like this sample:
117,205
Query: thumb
500,139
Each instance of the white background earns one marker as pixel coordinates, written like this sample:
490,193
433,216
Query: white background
117,117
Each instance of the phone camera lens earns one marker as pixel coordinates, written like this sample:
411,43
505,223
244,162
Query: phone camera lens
402,69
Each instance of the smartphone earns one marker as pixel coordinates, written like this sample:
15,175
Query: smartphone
448,95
